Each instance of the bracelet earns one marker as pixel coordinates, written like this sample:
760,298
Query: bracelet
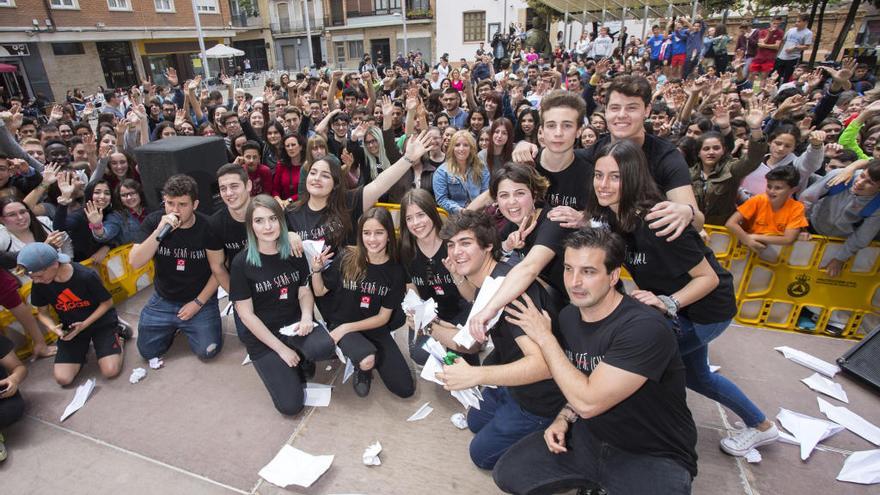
693,212
676,302
96,226
407,159
198,303
44,185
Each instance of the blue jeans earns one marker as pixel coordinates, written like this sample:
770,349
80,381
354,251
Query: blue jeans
529,468
499,423
694,347
159,322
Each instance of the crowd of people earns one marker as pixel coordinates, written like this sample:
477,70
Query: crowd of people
554,173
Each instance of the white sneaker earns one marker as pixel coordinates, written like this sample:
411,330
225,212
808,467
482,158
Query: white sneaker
746,439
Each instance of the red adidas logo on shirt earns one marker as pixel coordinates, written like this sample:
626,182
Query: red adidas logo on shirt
67,301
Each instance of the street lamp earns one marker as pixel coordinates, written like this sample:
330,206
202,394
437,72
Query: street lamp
402,15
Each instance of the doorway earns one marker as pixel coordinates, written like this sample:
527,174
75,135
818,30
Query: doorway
380,48
117,63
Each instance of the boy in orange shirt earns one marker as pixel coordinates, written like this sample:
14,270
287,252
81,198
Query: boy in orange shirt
773,217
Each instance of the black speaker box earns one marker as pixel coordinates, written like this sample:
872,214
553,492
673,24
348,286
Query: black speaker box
196,156
863,360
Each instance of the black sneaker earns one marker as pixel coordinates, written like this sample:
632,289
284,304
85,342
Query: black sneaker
124,331
308,369
361,382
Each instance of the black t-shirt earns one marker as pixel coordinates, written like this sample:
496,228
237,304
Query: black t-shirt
432,279
312,225
542,398
655,420
662,268
550,235
76,299
667,164
383,286
571,186
181,261
230,232
273,289
6,346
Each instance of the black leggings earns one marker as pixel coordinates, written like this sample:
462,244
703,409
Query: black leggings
11,410
390,362
284,383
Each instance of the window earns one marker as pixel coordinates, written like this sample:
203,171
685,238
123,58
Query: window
164,5
64,4
418,5
340,51
474,26
356,49
68,49
384,6
207,6
7,3
118,5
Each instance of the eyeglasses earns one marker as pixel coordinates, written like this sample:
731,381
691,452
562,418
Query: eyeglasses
128,195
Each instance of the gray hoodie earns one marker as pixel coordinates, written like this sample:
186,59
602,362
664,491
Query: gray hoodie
838,215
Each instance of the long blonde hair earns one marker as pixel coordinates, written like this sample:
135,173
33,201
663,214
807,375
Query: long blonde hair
473,160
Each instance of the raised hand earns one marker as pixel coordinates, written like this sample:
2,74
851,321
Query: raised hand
171,76
418,146
721,116
50,173
57,113
179,118
93,213
387,106
817,138
66,184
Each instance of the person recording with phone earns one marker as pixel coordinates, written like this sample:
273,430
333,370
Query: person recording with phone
178,239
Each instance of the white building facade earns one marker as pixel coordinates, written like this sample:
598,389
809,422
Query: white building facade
463,24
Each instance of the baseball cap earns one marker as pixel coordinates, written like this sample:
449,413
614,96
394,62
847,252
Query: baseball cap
38,256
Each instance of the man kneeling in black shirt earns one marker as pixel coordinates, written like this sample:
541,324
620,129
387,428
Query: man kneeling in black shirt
186,290
525,399
626,426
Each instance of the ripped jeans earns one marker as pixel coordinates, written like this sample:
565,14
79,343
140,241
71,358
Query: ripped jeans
159,321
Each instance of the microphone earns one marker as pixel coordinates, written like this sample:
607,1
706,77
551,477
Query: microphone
166,229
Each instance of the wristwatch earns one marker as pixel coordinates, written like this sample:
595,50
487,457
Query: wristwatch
672,305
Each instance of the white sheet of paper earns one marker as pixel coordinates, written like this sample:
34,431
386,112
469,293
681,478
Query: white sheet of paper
422,412
828,387
349,370
808,431
434,348
810,361
861,467
371,454
432,366
459,421
290,330
292,466
79,399
349,366
228,310
137,375
487,290
221,293
423,312
247,360
850,420
156,363
311,249
316,396
467,397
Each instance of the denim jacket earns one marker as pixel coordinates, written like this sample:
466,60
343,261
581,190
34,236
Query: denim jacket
453,192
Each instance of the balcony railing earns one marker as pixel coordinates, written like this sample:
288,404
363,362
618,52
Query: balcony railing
296,26
245,20
411,14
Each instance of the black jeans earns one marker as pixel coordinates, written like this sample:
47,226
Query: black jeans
785,68
284,383
11,410
529,468
390,362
